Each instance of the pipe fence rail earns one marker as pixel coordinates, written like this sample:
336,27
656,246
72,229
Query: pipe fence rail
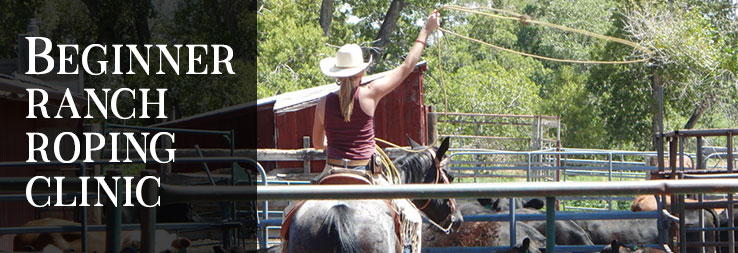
478,190
564,164
549,190
612,165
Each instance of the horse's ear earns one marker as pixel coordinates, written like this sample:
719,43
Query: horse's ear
485,202
496,205
442,150
412,142
615,245
526,244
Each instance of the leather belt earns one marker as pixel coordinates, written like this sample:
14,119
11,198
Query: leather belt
349,163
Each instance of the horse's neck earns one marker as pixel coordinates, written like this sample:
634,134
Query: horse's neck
411,175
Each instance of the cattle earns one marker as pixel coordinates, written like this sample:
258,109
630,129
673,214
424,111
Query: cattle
72,241
642,231
639,231
567,232
616,247
725,222
643,203
484,233
503,204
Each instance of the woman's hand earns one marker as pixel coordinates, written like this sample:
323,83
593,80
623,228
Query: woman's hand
432,23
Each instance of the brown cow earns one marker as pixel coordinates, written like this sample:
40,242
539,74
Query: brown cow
648,202
72,241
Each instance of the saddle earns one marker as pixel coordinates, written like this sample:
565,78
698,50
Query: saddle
339,176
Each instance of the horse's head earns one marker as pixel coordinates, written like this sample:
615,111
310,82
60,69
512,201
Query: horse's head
428,166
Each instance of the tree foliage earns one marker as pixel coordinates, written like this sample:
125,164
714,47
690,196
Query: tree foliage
601,106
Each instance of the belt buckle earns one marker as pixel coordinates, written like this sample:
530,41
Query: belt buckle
345,163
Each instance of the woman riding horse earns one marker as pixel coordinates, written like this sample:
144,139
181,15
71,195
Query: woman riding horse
344,121
346,118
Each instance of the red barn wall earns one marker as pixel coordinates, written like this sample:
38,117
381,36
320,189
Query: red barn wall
14,147
400,112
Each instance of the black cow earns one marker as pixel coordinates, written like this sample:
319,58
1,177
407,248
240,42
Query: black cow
725,222
617,247
503,204
567,232
634,232
638,231
644,231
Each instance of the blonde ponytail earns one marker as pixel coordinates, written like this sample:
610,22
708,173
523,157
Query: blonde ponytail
346,96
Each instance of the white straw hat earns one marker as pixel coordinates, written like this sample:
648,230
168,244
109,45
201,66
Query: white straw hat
349,61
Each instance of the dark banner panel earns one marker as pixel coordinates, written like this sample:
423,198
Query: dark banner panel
128,125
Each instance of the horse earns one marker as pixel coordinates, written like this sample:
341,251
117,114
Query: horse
369,225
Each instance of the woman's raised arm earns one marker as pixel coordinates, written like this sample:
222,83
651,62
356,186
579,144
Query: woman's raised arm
383,86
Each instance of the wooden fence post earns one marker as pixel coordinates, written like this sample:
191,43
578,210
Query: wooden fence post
306,162
432,126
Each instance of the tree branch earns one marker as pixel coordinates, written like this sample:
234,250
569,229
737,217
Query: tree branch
326,16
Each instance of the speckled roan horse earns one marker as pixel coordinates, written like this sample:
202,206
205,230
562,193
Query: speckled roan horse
369,225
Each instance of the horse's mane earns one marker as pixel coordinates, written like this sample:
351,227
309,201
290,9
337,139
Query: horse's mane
413,166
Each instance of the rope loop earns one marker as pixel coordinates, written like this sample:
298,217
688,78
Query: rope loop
526,20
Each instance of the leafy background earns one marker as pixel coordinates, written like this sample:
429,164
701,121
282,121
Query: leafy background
694,45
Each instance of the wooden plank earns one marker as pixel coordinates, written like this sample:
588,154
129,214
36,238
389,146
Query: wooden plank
307,154
264,155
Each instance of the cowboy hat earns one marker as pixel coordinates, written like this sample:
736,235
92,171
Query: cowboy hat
349,61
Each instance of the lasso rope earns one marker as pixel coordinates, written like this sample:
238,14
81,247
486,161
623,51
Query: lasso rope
404,148
393,176
515,17
392,173
510,15
523,18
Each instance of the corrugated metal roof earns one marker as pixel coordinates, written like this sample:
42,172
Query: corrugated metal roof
19,84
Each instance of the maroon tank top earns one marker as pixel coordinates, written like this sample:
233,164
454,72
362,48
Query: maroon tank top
348,140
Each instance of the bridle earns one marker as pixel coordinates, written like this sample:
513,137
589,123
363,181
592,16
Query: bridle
440,177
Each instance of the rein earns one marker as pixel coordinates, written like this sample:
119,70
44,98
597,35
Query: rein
440,175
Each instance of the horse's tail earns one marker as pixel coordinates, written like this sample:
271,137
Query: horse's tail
337,228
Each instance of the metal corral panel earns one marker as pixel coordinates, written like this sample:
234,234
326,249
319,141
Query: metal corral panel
400,112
